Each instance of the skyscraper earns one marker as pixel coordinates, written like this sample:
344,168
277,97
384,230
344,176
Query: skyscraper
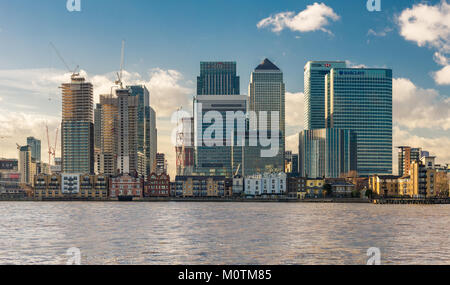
314,93
26,165
143,126
35,145
218,78
327,152
360,99
127,131
267,94
210,158
108,134
97,125
77,126
153,140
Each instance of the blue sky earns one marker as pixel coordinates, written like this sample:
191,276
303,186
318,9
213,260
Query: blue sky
166,40
179,34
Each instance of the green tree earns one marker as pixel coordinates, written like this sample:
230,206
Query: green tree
328,190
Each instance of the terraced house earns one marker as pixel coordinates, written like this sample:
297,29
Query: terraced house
57,186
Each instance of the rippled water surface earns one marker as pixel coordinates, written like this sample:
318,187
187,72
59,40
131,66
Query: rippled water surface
223,233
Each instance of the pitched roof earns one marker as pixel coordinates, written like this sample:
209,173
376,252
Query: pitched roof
267,65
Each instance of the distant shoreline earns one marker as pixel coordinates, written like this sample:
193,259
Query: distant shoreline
377,201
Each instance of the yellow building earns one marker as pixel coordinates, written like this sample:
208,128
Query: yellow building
314,188
422,181
442,183
201,186
94,187
385,185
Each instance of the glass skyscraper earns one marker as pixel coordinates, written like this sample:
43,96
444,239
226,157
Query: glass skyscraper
267,94
221,159
144,126
218,78
327,152
314,92
360,99
77,125
35,148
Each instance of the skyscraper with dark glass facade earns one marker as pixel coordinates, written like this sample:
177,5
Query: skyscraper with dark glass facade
220,153
360,99
35,148
218,78
314,77
144,127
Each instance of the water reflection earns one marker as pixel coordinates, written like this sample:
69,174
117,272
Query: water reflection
222,233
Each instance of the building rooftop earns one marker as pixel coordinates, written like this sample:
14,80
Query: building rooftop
267,65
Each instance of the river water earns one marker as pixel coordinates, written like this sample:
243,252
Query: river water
222,233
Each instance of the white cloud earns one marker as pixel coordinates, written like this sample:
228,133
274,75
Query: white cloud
17,126
292,143
442,77
415,107
429,25
440,59
294,110
351,64
381,33
314,17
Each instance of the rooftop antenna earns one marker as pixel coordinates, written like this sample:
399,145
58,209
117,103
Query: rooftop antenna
73,71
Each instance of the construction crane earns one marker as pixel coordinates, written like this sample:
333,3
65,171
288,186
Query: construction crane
51,149
73,71
120,73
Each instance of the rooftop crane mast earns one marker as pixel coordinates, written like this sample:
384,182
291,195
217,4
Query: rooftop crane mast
73,71
120,73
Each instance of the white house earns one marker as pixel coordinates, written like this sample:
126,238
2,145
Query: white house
266,185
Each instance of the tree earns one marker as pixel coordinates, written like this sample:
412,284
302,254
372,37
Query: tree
328,190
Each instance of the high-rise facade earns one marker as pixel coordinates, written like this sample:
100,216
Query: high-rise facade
267,94
327,152
220,153
161,164
218,78
144,127
406,156
77,134
108,134
360,99
97,125
127,132
27,168
153,140
314,91
35,145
